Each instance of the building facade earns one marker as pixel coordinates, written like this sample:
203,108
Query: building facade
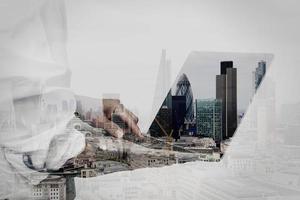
178,112
53,187
209,118
226,91
183,88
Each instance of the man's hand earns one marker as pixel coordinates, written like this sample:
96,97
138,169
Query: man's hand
113,107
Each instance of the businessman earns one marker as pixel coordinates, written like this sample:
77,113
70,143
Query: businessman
36,102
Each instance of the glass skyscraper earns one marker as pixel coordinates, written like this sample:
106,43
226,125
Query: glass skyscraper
184,89
209,118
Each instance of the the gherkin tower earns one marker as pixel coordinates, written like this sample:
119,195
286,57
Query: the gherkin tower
184,89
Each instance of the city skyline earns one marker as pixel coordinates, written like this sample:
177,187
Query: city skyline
216,116
201,68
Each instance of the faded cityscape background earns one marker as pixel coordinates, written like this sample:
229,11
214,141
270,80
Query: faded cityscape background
115,47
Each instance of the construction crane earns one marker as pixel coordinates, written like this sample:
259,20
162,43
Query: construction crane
169,138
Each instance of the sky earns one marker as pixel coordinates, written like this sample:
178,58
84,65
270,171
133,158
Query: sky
115,46
123,40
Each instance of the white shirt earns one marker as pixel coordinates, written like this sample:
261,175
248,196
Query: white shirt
35,102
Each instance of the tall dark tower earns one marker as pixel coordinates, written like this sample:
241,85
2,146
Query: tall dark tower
178,114
221,95
226,87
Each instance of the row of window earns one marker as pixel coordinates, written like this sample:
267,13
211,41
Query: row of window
54,197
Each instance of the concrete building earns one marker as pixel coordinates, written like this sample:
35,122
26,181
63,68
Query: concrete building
108,166
87,173
226,91
84,160
209,118
53,187
136,161
190,128
203,154
188,141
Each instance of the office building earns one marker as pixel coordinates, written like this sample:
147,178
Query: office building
53,187
178,115
162,123
168,100
190,128
163,82
183,88
226,91
209,118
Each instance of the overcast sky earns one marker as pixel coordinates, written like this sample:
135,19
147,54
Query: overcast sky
115,46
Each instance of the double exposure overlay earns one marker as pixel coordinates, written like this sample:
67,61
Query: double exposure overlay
149,100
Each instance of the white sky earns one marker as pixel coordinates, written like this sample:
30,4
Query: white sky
115,46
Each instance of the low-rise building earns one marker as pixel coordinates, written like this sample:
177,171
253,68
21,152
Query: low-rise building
147,160
53,187
88,172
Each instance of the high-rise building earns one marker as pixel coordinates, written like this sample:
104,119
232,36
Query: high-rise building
226,91
258,74
168,100
163,83
183,88
164,118
221,94
178,114
209,118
